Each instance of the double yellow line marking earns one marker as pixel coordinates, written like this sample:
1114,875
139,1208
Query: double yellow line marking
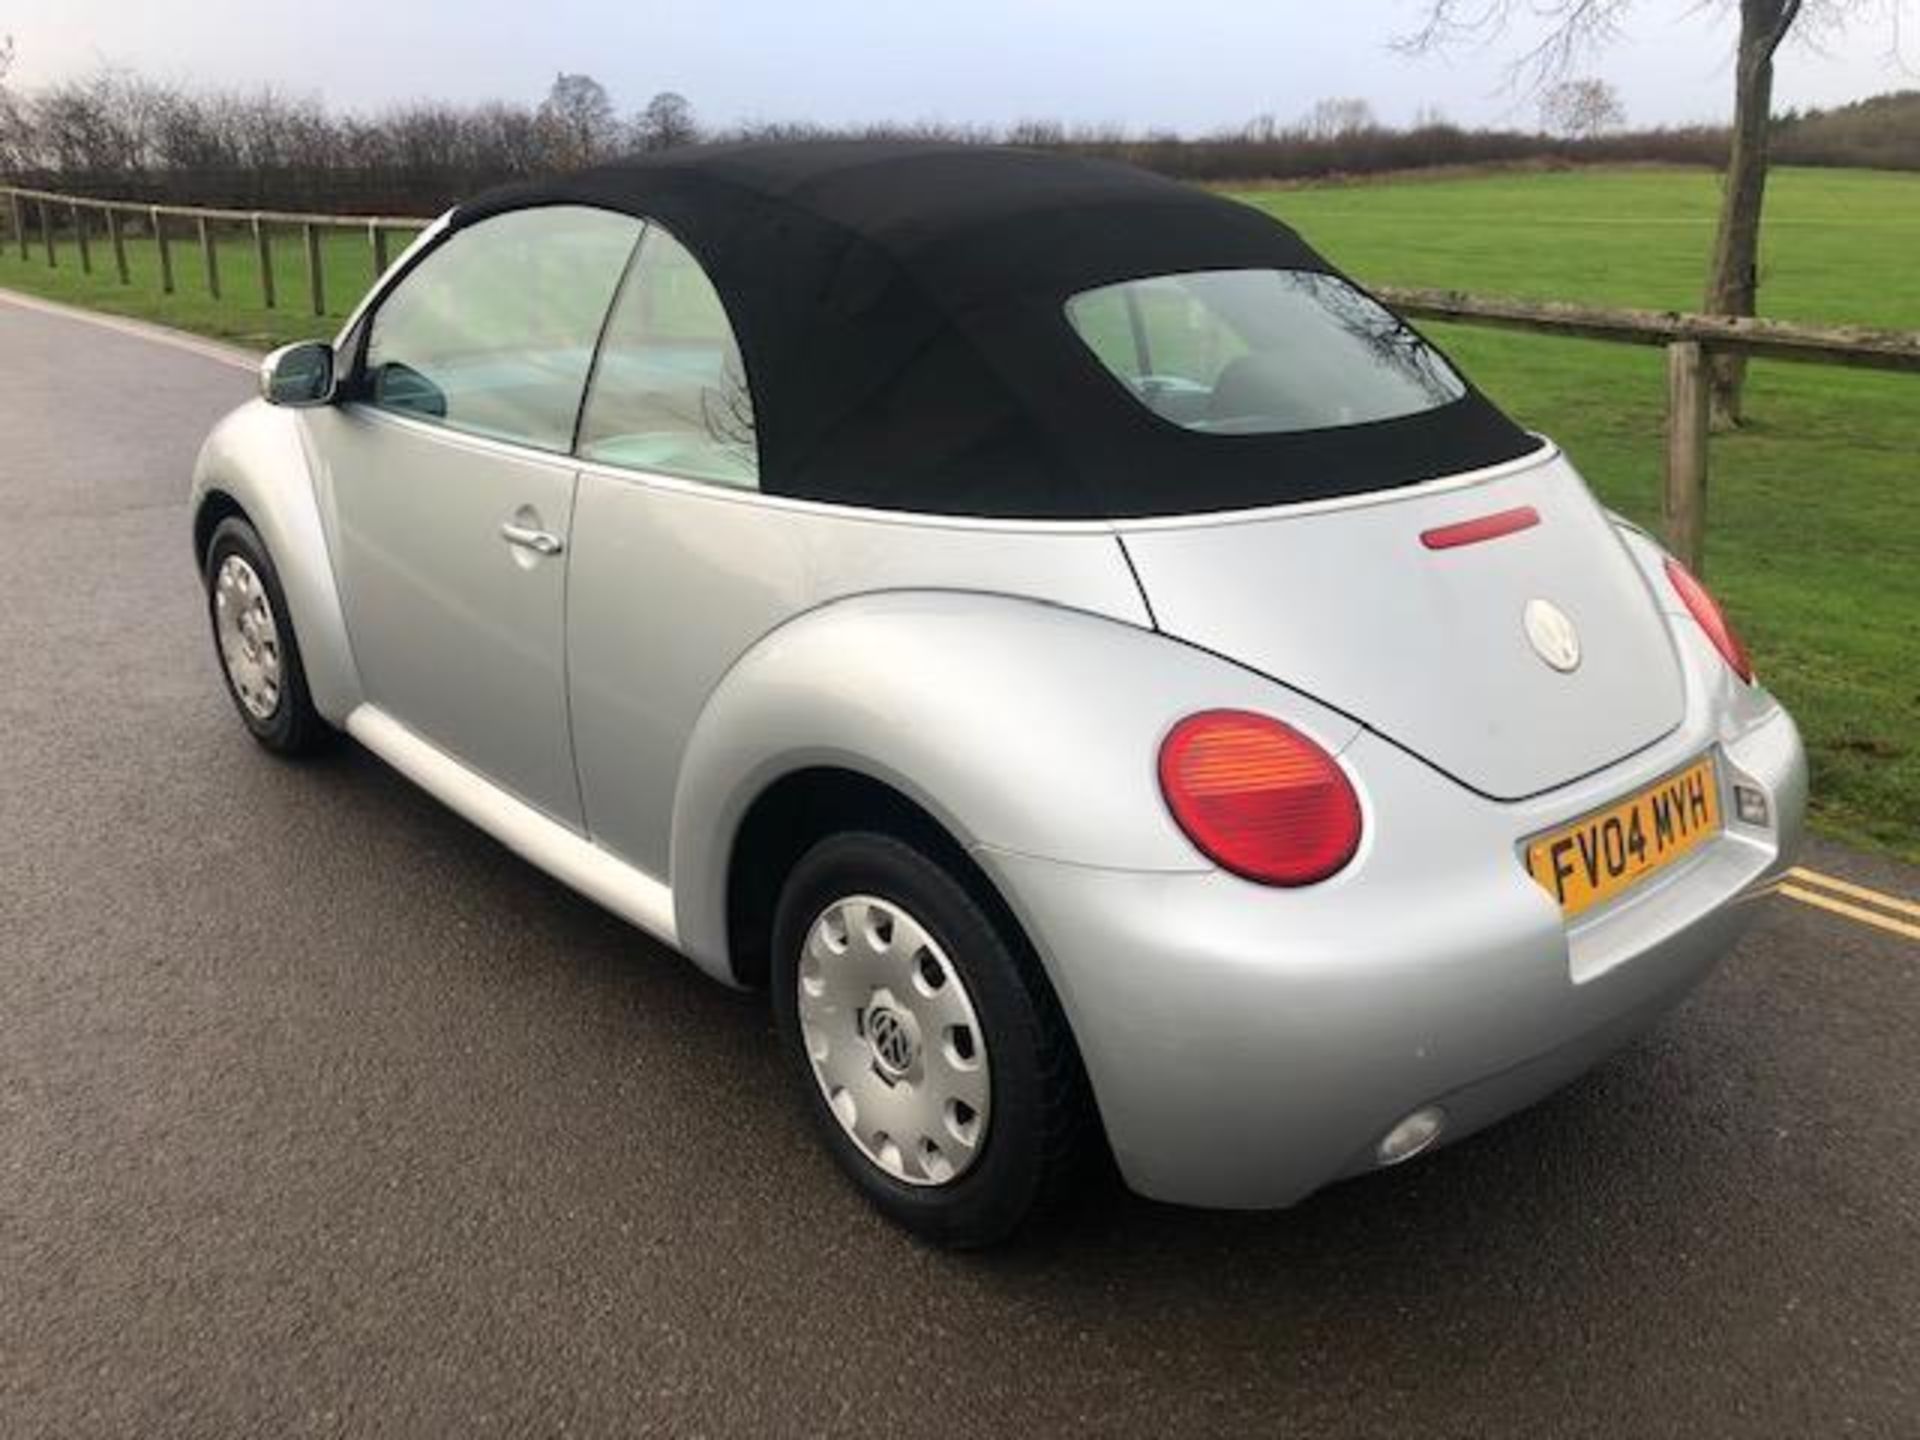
1869,907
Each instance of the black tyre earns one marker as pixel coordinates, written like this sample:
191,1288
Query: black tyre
931,1049
254,642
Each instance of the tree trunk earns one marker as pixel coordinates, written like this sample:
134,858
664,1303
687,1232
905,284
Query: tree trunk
1734,281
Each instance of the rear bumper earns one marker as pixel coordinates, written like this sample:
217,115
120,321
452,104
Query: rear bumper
1249,1045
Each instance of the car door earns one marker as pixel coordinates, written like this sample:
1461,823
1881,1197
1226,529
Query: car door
452,489
665,589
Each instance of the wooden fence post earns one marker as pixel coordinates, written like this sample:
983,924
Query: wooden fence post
166,255
377,238
19,222
263,247
316,283
119,243
210,257
1684,505
46,232
80,236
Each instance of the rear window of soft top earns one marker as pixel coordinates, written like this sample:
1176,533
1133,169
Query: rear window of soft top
1261,352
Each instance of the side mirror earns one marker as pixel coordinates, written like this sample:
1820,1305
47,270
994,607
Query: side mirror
298,375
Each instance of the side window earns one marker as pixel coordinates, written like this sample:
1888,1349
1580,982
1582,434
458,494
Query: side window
669,393
493,332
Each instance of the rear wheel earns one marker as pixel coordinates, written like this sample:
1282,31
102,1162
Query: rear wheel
933,1053
253,637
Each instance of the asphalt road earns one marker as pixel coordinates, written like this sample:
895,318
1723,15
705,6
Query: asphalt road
320,1113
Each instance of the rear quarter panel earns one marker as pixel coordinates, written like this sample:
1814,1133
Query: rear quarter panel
1023,727
671,583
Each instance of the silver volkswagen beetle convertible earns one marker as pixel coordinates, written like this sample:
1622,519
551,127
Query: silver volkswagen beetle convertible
1114,684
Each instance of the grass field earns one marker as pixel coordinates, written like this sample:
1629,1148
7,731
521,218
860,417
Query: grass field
1814,529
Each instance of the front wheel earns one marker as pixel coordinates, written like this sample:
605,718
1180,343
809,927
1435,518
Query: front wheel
934,1055
254,640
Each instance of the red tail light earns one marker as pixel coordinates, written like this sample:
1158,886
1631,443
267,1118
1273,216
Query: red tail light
1706,610
1259,798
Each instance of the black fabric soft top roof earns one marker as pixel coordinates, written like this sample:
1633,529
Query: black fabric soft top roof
900,314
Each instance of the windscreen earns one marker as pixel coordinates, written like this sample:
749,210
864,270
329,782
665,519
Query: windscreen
1261,352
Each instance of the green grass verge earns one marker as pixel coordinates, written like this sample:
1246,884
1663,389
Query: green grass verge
1814,528
240,314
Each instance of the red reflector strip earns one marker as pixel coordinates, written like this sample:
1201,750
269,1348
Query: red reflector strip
1486,527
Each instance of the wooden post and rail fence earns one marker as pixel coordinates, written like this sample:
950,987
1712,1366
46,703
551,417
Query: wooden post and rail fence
27,209
1689,340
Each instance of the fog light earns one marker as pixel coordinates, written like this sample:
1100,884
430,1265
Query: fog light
1750,805
1412,1135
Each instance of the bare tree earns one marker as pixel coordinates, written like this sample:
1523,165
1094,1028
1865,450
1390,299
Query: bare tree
98,124
1581,109
1330,119
666,122
506,137
579,113
1733,274
1037,134
12,126
1576,27
1262,129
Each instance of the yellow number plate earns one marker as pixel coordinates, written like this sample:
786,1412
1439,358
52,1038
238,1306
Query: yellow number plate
1592,860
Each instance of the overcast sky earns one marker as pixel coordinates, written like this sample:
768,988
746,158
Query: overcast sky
1191,65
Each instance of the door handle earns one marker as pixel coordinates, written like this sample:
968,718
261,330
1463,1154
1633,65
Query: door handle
531,537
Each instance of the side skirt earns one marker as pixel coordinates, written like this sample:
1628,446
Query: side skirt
633,895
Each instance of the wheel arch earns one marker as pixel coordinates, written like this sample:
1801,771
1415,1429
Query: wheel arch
1005,724
214,506
804,806
255,465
